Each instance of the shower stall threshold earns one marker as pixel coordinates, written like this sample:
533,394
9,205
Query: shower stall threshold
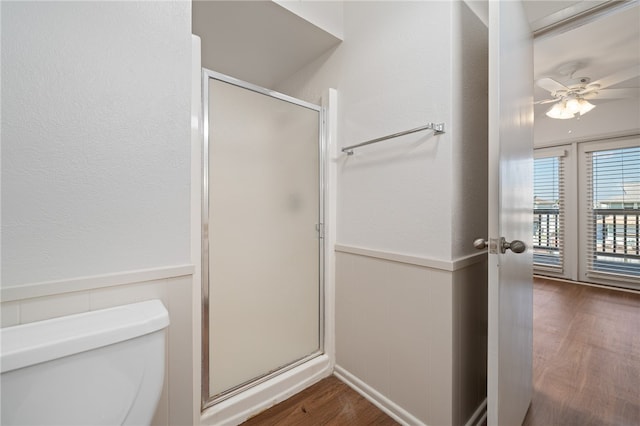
247,404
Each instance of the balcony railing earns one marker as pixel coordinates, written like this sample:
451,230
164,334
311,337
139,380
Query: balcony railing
547,237
616,241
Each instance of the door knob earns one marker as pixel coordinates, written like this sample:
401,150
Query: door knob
516,246
480,243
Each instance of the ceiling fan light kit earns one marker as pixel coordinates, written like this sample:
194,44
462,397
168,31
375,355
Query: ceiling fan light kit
570,98
585,106
568,108
573,105
560,111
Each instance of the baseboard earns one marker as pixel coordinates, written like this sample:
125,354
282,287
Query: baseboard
394,411
245,405
602,286
478,416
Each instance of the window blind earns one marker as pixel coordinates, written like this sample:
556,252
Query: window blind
613,192
548,213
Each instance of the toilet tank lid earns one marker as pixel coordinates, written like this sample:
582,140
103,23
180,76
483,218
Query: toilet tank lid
36,342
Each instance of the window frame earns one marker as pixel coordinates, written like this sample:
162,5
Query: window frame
561,153
583,249
570,244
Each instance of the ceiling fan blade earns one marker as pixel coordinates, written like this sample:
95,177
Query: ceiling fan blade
551,85
545,101
614,94
593,87
619,77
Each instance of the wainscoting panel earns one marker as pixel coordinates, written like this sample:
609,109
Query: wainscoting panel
470,341
401,329
394,332
175,292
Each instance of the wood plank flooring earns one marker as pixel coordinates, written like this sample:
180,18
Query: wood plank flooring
328,402
586,356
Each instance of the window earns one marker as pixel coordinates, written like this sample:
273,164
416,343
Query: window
586,211
613,194
548,213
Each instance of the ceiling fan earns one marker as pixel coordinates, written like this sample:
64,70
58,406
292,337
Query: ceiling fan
573,96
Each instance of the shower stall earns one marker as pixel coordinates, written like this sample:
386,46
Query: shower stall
262,239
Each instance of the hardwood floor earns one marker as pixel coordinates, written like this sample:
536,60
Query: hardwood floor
328,402
586,356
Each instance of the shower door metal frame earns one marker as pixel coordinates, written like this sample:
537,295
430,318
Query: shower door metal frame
206,399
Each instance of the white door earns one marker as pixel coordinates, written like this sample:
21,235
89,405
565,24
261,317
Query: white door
510,308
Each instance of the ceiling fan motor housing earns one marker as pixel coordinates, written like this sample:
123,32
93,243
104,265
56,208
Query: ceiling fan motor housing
576,87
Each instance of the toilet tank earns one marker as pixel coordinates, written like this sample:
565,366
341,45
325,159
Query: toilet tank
102,367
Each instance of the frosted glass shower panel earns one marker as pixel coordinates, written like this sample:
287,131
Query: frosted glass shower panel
264,192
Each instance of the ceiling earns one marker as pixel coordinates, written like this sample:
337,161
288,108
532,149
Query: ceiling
542,13
597,48
253,40
241,38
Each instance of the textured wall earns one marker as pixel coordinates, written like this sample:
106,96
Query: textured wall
392,73
407,333
327,15
395,332
95,138
469,131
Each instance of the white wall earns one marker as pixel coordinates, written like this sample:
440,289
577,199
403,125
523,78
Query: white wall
391,75
95,131
96,168
327,15
410,291
469,131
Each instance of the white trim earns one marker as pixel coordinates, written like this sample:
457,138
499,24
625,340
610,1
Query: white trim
583,274
549,152
564,164
196,218
569,268
548,269
578,14
612,279
389,407
601,137
603,286
241,407
478,416
49,288
606,144
330,103
444,265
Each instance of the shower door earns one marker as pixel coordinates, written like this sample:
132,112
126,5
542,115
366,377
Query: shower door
262,242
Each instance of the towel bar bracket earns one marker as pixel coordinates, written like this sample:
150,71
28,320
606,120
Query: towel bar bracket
438,128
